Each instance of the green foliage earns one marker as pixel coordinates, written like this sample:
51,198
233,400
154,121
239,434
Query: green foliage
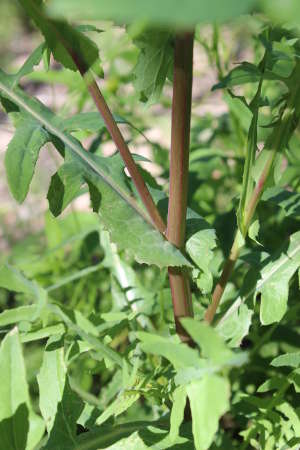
154,12
90,357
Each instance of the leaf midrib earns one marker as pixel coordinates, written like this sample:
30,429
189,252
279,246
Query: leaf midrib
74,148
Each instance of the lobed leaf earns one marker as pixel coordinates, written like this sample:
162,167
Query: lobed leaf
127,221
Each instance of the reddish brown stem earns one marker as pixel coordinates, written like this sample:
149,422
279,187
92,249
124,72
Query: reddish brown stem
121,145
180,139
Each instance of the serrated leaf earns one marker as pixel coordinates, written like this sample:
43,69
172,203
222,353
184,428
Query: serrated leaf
51,380
154,62
271,280
234,327
200,243
244,73
208,339
127,221
64,41
21,157
170,12
289,359
20,428
209,400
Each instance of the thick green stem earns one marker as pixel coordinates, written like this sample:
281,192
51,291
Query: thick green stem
179,162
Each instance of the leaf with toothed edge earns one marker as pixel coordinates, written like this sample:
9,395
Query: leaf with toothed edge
128,222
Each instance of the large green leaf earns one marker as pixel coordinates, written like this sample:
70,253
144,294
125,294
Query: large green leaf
127,221
20,427
271,280
169,12
209,400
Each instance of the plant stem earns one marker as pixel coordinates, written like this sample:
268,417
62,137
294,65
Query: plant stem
118,139
179,162
277,140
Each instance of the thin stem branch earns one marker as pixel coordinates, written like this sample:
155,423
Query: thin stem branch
121,145
179,161
277,140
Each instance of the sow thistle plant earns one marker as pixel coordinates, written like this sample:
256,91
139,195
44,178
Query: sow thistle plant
223,372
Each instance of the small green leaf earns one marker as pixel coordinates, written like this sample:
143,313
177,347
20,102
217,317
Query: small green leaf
64,41
20,428
289,359
51,380
244,73
209,400
154,63
15,315
208,339
180,355
33,60
21,157
177,413
289,201
235,326
200,243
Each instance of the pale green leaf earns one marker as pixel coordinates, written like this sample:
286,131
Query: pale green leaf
208,339
20,428
209,400
51,380
289,359
15,315
118,406
177,413
200,243
235,326
170,12
43,333
180,355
